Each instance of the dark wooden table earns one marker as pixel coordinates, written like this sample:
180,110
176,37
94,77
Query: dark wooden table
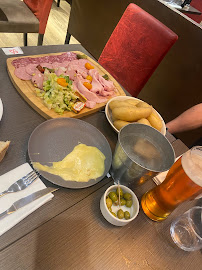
70,232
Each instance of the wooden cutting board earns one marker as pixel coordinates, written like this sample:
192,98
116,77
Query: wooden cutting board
27,91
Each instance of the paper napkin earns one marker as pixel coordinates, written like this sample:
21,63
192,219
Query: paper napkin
6,201
161,176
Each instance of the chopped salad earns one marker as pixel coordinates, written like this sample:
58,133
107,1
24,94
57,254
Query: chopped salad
57,92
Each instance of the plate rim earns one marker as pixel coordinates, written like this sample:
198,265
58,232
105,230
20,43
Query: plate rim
1,109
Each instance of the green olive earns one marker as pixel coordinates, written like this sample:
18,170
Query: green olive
122,201
116,203
113,196
120,214
129,203
108,202
113,213
126,215
119,190
127,196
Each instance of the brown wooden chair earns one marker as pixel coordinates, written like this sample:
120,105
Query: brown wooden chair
69,1
28,16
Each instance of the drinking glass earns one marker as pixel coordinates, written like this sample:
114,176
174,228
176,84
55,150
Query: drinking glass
183,182
186,230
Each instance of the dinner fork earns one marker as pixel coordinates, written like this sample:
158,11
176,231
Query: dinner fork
21,184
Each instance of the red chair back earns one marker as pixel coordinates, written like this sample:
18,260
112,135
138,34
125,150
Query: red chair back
41,9
136,47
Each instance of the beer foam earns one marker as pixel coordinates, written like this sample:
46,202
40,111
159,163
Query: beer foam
192,164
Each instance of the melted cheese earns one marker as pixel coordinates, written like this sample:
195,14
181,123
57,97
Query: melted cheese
81,165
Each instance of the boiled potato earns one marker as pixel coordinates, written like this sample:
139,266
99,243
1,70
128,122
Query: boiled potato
143,104
144,121
131,113
132,102
117,103
120,123
155,120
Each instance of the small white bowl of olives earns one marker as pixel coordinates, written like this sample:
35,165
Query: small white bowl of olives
119,205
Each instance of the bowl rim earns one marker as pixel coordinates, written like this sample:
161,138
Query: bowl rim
163,130
134,197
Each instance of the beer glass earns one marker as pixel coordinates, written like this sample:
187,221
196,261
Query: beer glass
183,182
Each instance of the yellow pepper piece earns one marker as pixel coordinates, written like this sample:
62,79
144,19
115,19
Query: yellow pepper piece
89,78
62,82
88,66
87,85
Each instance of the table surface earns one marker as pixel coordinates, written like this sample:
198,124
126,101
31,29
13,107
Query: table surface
69,232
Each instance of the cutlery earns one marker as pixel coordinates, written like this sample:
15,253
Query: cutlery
26,200
21,184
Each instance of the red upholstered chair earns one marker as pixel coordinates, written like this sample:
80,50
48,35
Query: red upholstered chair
41,9
27,16
136,47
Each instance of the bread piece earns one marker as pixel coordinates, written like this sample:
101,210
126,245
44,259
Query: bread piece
3,148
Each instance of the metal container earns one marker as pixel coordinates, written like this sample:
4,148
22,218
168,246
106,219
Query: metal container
141,153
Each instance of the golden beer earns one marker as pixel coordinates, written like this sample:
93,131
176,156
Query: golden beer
183,182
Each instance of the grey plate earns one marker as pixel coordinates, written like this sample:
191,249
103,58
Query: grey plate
56,138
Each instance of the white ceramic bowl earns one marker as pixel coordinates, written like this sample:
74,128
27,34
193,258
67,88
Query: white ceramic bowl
133,210
108,113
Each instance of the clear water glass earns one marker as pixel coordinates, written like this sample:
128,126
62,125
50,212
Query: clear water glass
186,230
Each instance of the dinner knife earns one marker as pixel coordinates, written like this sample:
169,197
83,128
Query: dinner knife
26,200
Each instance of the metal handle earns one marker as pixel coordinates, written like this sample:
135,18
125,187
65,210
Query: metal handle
4,214
3,193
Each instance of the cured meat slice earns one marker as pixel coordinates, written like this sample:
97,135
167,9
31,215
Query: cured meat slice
79,67
90,104
56,65
21,73
22,62
104,88
60,70
37,79
30,68
88,94
48,65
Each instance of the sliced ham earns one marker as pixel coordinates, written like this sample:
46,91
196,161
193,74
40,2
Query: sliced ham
37,79
79,67
47,65
21,73
56,65
60,70
31,68
71,73
105,88
90,104
88,94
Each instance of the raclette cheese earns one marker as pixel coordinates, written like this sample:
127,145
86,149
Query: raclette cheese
81,165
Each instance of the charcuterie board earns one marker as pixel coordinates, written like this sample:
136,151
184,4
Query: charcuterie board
27,90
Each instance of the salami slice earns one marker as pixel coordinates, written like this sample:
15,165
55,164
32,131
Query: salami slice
21,73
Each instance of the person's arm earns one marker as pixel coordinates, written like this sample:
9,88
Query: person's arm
188,120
